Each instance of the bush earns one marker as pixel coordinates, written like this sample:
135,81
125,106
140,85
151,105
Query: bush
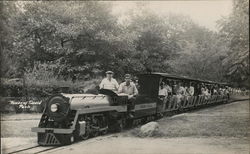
43,80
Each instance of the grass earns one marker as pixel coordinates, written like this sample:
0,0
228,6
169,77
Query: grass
230,120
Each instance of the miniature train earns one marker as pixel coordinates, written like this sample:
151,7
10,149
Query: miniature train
71,117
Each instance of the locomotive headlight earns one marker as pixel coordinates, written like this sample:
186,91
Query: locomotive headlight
54,107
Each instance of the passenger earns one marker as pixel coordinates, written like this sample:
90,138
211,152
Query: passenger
203,91
199,89
226,92
180,91
169,89
190,90
136,83
163,92
174,88
128,87
109,82
215,92
221,91
185,86
206,93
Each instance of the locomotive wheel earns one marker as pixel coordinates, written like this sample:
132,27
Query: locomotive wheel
104,132
67,139
129,123
85,136
95,133
77,132
116,125
120,126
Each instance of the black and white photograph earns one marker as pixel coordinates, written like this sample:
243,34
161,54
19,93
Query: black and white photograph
124,77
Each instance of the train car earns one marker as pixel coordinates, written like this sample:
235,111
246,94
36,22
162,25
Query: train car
170,103
70,117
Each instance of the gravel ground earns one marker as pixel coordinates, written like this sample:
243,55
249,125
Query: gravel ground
21,116
18,125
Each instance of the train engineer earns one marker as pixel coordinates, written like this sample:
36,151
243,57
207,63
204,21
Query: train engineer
128,87
109,82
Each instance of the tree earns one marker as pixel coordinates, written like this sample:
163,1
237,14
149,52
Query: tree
9,61
75,35
201,55
234,30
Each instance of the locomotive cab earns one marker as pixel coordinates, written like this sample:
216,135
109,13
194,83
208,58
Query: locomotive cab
147,99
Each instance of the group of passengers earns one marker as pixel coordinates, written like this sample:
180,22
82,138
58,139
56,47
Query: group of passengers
182,90
176,89
127,87
239,91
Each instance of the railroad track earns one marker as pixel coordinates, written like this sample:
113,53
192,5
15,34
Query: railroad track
33,150
41,149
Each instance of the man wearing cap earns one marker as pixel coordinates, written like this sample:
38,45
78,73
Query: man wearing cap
109,82
128,87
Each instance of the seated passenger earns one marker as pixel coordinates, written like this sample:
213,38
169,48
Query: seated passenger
226,92
128,87
136,83
180,91
185,86
203,91
221,91
174,85
169,89
206,93
109,82
198,90
162,91
190,90
215,92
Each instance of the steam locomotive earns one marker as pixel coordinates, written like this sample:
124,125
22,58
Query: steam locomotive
70,117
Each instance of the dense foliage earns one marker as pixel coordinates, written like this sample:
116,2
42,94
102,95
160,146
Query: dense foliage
57,41
234,30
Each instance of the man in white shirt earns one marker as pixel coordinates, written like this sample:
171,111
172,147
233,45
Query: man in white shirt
109,82
163,92
128,87
190,90
180,91
163,95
